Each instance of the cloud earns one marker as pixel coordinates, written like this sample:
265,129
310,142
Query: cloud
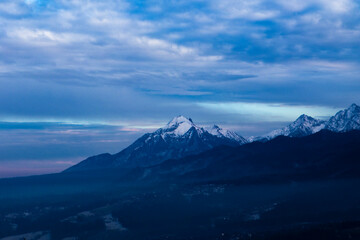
269,111
335,6
135,65
46,37
246,9
12,8
339,6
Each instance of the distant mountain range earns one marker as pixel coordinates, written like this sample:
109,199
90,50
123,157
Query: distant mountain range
343,121
322,155
181,138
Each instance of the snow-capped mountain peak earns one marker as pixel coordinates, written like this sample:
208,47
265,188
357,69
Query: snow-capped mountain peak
177,139
305,121
345,120
179,126
225,133
216,130
302,126
304,118
354,108
179,120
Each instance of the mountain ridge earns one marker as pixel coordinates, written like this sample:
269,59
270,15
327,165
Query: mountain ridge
179,138
344,120
323,154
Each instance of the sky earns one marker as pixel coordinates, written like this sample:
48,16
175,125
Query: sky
79,78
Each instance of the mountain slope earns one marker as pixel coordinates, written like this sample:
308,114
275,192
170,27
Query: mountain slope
343,121
302,126
324,154
179,138
224,133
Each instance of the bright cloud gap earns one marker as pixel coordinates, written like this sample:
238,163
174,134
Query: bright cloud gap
263,112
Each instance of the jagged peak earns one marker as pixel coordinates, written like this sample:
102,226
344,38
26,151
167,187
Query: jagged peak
225,133
350,112
306,121
178,120
215,130
178,126
304,117
353,107
343,120
215,127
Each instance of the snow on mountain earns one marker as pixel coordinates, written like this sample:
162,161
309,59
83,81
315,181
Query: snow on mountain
345,120
179,138
224,133
302,126
178,127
